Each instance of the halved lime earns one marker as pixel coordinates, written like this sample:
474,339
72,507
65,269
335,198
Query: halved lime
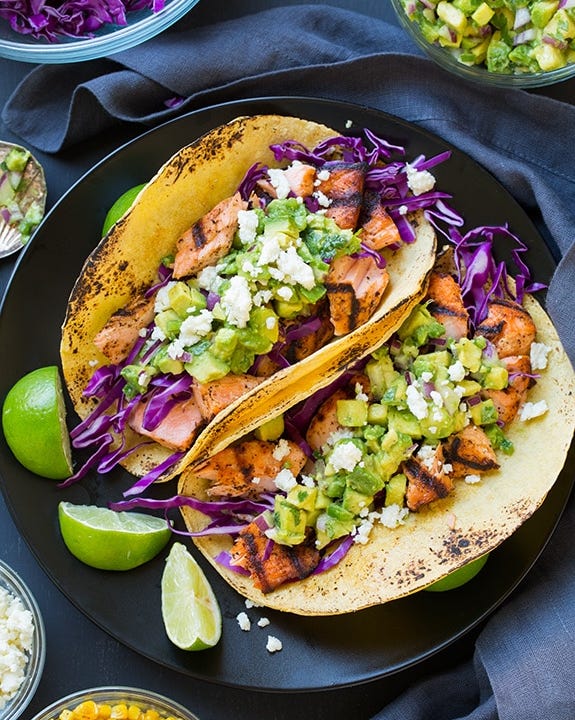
190,610
120,206
34,423
110,540
459,577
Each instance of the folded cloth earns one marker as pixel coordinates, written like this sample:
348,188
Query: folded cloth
524,656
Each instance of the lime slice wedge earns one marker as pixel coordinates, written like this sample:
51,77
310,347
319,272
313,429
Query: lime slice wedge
109,540
459,577
34,424
191,613
120,206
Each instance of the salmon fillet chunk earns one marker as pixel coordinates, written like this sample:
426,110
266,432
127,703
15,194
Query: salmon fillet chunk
447,305
177,430
343,186
213,397
119,334
208,240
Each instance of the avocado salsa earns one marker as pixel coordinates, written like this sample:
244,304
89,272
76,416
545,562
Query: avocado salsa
423,389
504,36
219,322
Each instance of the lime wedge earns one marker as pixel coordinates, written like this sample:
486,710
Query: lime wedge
34,424
191,613
459,577
120,206
110,540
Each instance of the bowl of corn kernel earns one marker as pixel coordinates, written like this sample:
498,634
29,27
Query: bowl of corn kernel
115,703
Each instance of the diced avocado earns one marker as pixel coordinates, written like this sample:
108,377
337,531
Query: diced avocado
549,57
543,11
498,54
421,326
483,413
286,309
242,359
394,449
469,387
289,522
337,512
466,6
469,354
264,322
496,378
397,392
169,323
483,14
381,374
561,26
452,16
180,299
335,486
377,414
441,424
352,413
303,497
329,528
165,363
16,159
322,500
431,362
137,378
363,480
395,490
271,429
403,421
207,367
354,501
498,440
224,343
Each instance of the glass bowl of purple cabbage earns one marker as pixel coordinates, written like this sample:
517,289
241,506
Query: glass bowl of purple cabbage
505,43
63,31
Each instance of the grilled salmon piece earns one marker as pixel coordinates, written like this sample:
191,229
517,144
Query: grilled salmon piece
117,337
378,228
209,239
270,564
447,306
344,187
469,452
177,430
299,178
213,397
426,480
305,345
509,400
509,327
249,468
324,422
354,287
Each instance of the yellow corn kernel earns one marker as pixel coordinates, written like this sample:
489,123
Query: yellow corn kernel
66,715
105,711
119,712
134,712
87,710
151,715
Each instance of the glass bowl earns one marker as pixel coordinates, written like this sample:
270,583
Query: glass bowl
143,699
478,73
11,583
108,40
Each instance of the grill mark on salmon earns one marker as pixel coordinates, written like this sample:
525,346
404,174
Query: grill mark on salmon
270,564
378,230
119,334
426,482
209,239
470,451
354,288
344,187
232,471
447,305
509,327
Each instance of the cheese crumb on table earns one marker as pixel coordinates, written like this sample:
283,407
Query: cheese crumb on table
16,635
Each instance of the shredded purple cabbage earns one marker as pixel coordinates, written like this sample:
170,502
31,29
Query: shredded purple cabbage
72,18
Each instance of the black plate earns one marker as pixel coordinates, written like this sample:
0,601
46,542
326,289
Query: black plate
317,652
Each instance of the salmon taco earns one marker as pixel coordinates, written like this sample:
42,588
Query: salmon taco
271,250
412,462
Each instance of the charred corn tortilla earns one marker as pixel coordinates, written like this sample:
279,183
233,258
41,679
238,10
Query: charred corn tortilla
472,520
125,263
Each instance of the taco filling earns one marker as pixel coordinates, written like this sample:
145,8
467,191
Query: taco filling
295,258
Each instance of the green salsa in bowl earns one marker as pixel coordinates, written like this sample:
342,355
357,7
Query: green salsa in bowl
521,43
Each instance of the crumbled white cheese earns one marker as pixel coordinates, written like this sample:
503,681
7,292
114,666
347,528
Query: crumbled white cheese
363,531
416,402
538,355
243,621
532,410
323,175
195,327
162,301
322,199
158,334
392,516
271,322
285,293
237,301
295,270
280,182
285,480
307,480
250,604
472,479
273,644
208,278
456,371
263,622
16,636
247,226
270,250
403,210
359,394
437,398
256,480
426,376
419,181
262,297
345,456
339,434
281,450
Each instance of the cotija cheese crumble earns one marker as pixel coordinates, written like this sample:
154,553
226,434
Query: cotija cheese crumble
16,635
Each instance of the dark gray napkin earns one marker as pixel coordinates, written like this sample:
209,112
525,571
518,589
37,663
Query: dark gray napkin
525,656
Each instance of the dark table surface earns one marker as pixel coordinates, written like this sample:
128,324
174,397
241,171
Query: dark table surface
80,654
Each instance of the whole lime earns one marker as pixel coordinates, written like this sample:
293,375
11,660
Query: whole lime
34,424
111,540
459,577
120,206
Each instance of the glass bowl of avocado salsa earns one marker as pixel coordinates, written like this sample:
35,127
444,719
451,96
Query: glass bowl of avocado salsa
507,43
